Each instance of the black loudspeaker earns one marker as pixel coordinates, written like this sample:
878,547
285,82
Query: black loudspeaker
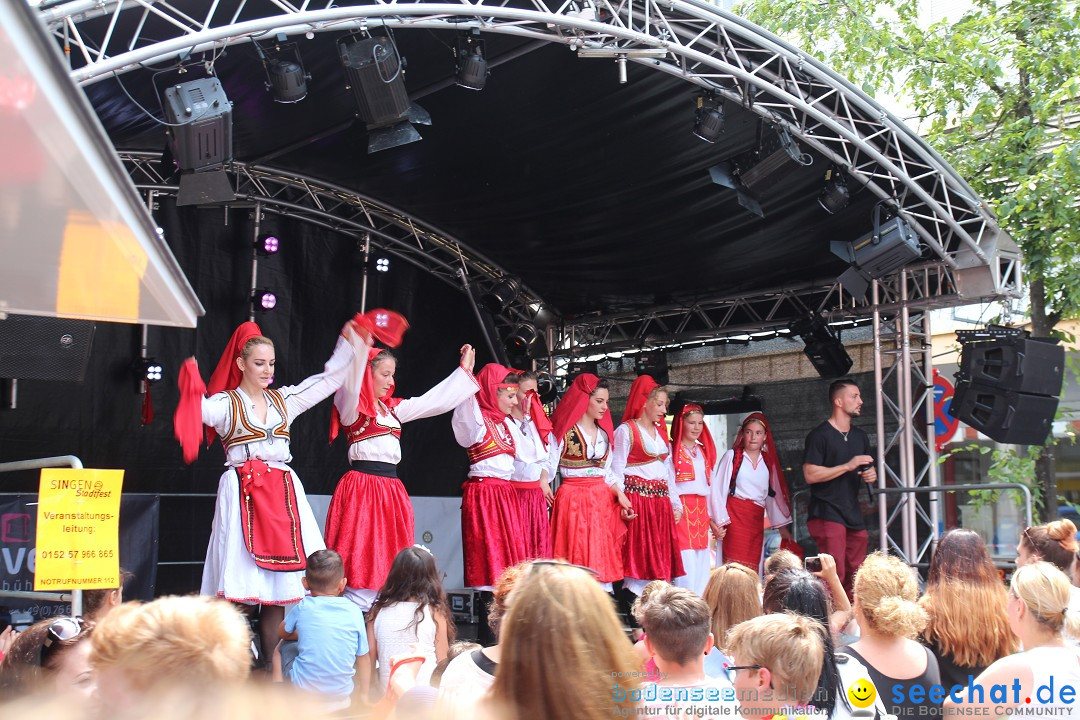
43,348
1008,384
829,357
1004,415
1026,365
653,364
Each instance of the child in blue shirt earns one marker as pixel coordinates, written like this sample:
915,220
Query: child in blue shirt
324,636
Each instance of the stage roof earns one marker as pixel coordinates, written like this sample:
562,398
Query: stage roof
595,193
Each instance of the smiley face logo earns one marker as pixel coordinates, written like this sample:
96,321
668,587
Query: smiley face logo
861,693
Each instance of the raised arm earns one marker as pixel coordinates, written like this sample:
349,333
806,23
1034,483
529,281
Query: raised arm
299,398
347,397
444,397
468,423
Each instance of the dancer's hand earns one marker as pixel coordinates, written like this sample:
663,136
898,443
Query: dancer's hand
678,514
627,511
549,496
468,357
719,531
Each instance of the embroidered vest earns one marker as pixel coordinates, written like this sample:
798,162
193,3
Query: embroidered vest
575,449
684,466
638,455
243,432
492,444
369,427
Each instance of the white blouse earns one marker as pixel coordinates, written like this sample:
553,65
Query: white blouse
444,397
751,484
653,470
217,410
594,449
532,458
469,429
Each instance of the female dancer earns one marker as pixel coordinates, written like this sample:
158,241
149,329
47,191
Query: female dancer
750,485
490,511
370,517
263,526
693,463
585,521
639,461
531,471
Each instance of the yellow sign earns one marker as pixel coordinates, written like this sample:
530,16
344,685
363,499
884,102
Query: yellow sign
78,527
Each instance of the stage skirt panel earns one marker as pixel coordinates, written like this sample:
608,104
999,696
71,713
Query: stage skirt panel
369,521
491,533
746,534
535,524
652,545
230,571
586,528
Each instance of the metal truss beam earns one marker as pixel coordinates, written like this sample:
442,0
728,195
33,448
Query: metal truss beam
924,287
701,44
351,214
905,401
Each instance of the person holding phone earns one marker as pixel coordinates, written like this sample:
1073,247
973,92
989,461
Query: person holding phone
837,462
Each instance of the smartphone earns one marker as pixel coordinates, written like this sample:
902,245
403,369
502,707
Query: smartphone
813,563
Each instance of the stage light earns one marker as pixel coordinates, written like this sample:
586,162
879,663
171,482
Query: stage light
264,299
835,195
471,62
267,245
200,140
150,370
891,245
382,265
498,298
374,68
824,350
521,338
286,78
709,119
546,387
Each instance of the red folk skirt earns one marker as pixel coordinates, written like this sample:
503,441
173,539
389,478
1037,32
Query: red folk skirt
586,528
693,527
652,546
490,530
535,525
369,521
746,534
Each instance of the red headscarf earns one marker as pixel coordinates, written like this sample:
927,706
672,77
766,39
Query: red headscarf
389,327
705,440
490,378
366,404
639,393
573,405
535,410
227,374
768,451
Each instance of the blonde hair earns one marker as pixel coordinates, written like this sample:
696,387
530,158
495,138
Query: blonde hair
249,346
1046,591
174,640
887,592
563,649
781,560
650,590
656,391
791,646
733,594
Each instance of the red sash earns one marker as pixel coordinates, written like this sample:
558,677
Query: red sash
270,517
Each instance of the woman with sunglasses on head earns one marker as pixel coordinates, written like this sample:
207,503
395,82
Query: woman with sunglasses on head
370,518
640,462
750,488
50,656
263,528
586,528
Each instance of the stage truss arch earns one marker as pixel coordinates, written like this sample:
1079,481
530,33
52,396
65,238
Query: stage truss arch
692,40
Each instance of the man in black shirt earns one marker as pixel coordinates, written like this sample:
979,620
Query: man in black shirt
836,463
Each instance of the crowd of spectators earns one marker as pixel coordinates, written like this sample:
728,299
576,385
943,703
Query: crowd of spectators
786,644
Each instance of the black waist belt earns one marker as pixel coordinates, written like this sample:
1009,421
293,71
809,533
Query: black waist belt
372,467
